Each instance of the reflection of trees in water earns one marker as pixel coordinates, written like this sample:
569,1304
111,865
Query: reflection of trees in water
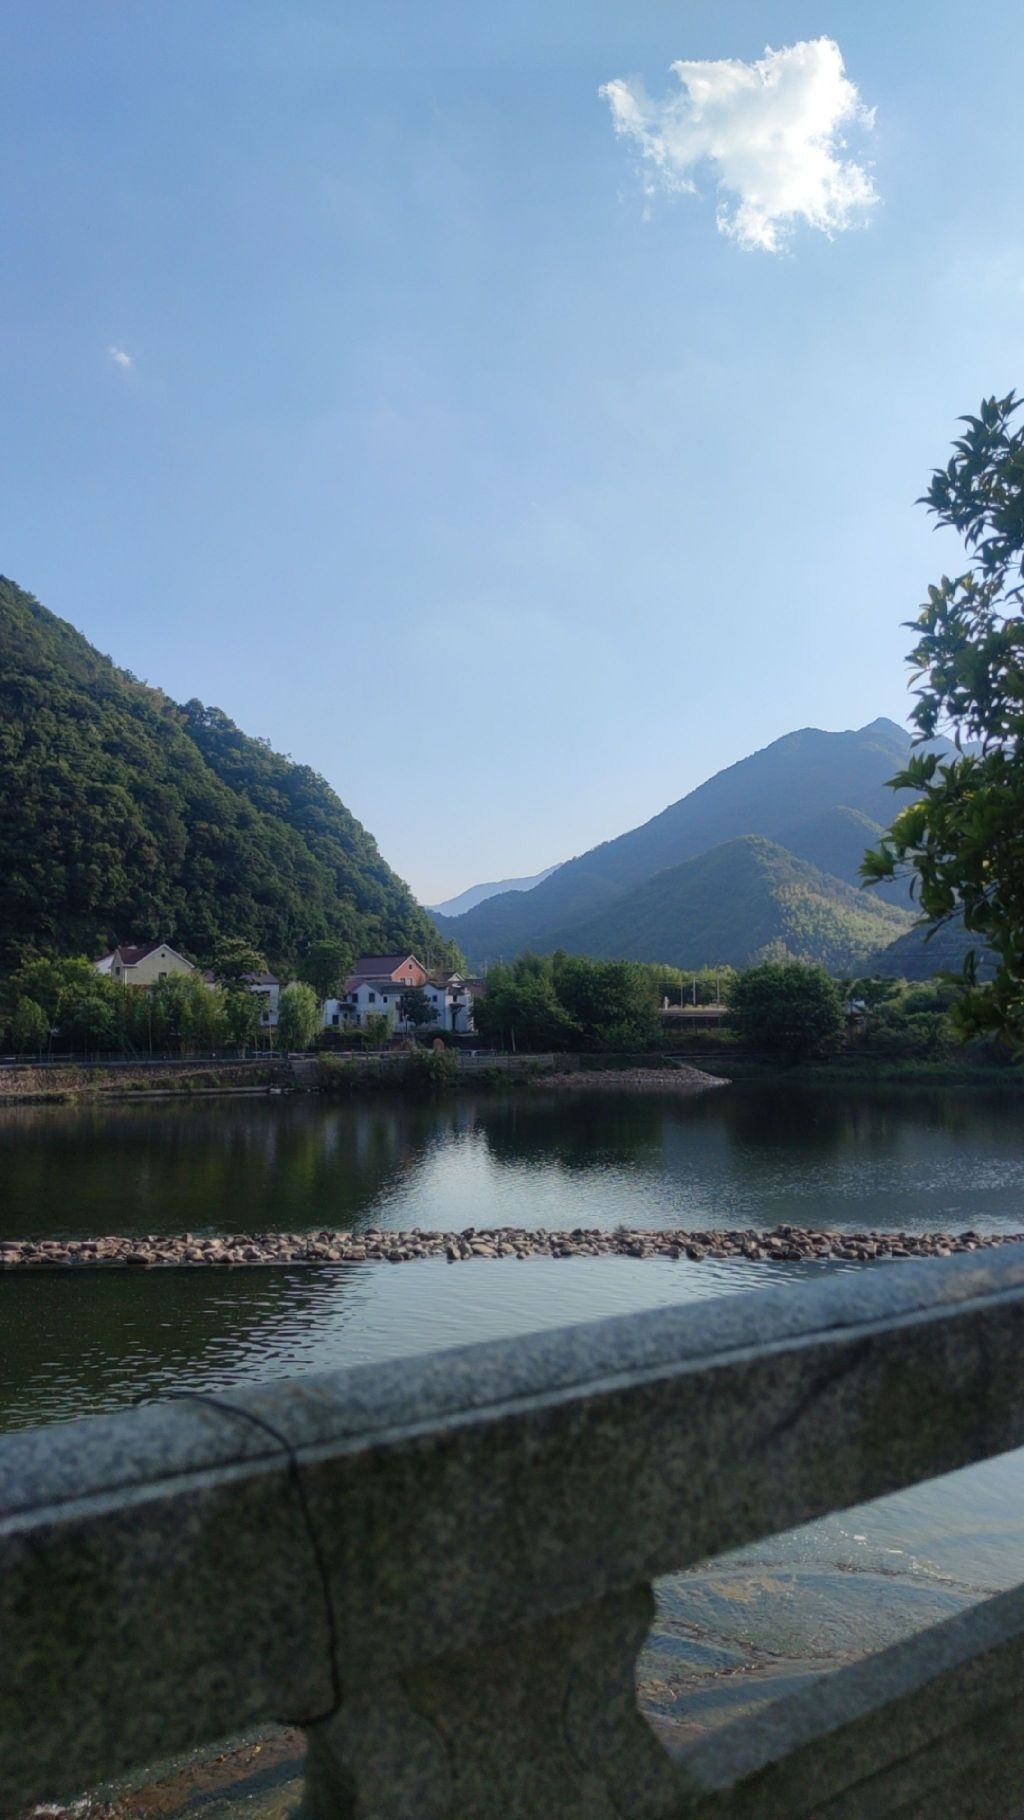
222,1166
811,1121
575,1133
78,1345
782,1116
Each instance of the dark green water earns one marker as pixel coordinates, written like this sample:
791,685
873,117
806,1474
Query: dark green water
752,1154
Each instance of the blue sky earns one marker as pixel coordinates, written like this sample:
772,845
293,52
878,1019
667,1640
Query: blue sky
359,377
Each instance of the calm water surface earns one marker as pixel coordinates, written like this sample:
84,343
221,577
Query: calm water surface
750,1155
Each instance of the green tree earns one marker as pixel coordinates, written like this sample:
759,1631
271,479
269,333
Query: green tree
415,1008
326,965
960,841
376,1029
298,1015
234,964
30,1030
242,1014
521,1008
235,960
873,992
83,1006
181,1012
612,1003
790,1010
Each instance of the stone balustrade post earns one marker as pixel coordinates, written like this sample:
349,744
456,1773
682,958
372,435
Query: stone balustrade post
543,1722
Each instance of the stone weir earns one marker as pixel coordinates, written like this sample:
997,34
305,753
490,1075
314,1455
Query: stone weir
783,1245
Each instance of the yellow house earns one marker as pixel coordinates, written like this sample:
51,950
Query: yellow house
143,965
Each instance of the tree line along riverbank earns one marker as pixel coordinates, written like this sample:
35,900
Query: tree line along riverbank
781,1245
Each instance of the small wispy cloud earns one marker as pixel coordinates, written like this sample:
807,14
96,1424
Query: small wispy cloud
771,131
121,358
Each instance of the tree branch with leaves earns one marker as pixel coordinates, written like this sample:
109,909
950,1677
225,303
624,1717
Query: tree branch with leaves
962,840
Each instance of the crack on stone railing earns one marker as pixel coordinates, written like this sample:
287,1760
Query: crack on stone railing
319,1562
825,1380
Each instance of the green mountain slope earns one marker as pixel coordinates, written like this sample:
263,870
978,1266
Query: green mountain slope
787,786
836,842
728,904
125,816
918,956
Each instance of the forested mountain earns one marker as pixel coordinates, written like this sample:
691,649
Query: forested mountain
918,955
124,816
729,904
836,842
817,790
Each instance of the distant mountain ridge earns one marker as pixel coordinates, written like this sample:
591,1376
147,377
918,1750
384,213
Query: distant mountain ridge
124,816
812,792
478,894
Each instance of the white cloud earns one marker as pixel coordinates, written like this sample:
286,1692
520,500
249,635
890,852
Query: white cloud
769,130
121,359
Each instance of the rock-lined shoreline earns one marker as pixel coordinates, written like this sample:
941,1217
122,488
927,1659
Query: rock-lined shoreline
783,1245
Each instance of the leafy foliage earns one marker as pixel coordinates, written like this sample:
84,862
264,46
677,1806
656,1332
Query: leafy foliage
566,1002
235,960
790,1011
326,965
376,1029
415,1008
298,1016
961,840
82,1011
124,816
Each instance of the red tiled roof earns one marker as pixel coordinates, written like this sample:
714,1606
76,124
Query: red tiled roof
380,966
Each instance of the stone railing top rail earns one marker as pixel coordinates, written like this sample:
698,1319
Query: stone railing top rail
176,1572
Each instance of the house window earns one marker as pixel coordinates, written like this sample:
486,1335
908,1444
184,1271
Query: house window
335,1019
372,996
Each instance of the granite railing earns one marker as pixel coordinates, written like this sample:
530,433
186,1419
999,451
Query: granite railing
442,1568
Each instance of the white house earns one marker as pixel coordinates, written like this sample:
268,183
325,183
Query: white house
375,988
268,988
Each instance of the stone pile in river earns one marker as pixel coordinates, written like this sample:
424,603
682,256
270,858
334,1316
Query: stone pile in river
783,1245
680,1078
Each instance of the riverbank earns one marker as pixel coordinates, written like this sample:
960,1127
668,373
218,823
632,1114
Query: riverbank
782,1245
67,1085
422,1072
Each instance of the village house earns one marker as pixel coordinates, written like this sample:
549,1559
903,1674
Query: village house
142,964
376,985
268,987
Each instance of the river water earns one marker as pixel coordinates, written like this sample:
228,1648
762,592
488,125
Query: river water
754,1154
